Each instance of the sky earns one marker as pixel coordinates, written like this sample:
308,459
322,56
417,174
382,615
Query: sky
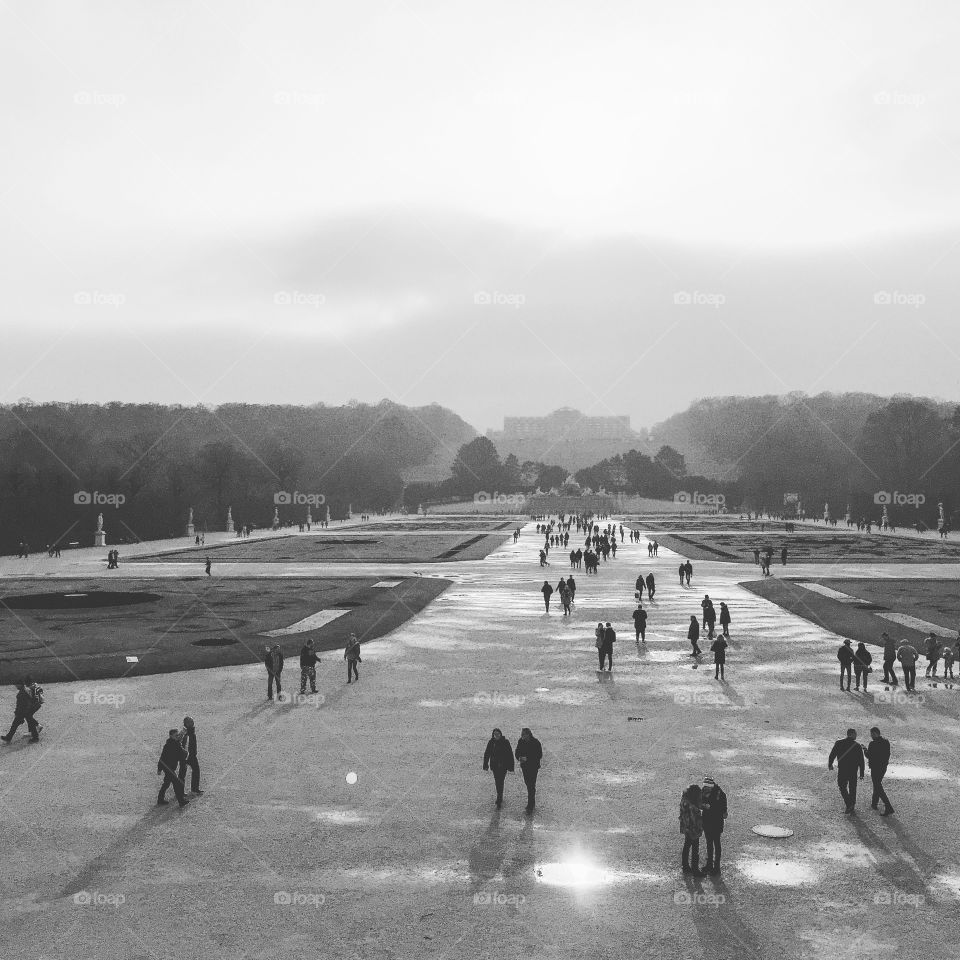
503,208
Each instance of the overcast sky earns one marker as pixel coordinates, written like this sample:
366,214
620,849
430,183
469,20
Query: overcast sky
500,207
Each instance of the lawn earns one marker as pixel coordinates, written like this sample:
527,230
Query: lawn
191,623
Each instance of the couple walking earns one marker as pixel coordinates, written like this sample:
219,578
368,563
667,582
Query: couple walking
499,758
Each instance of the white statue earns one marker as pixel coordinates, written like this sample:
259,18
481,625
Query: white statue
99,522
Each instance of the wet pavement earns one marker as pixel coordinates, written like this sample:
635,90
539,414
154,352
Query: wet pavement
358,823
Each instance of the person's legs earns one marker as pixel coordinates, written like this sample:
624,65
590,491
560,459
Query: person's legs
194,765
18,719
603,656
303,679
269,686
498,777
721,671
858,673
530,779
842,784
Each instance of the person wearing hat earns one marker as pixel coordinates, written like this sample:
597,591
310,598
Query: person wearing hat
714,812
171,756
498,757
845,656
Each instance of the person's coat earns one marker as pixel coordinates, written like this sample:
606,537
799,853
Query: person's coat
719,648
714,816
498,755
171,757
273,660
693,631
529,753
691,818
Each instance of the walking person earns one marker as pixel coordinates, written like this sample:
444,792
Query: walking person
607,639
719,648
845,656
498,757
709,616
889,659
683,569
878,756
530,754
273,661
547,592
171,757
693,635
948,658
725,620
308,667
691,827
688,571
862,658
713,813
207,566
565,598
639,587
29,701
932,651
351,653
651,586
907,655
572,587
848,755
188,741
640,623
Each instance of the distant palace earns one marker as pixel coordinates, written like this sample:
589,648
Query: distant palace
566,437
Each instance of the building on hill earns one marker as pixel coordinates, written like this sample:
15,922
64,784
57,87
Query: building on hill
567,438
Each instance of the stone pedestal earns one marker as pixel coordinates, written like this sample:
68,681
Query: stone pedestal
190,530
100,538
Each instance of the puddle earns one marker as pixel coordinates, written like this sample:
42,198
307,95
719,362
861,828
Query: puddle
581,874
903,771
777,873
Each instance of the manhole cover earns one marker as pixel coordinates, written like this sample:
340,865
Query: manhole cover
213,642
775,833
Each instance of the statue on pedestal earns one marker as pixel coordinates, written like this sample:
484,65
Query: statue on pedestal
100,536
826,513
848,518
309,518
230,528
275,523
420,509
190,530
885,519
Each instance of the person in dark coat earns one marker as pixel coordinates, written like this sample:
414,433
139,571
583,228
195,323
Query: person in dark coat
691,827
308,667
688,571
572,587
683,569
188,740
171,757
849,757
724,620
719,648
845,656
498,757
651,586
878,756
547,592
606,649
529,753
273,661
862,658
29,700
640,586
640,623
713,813
693,635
